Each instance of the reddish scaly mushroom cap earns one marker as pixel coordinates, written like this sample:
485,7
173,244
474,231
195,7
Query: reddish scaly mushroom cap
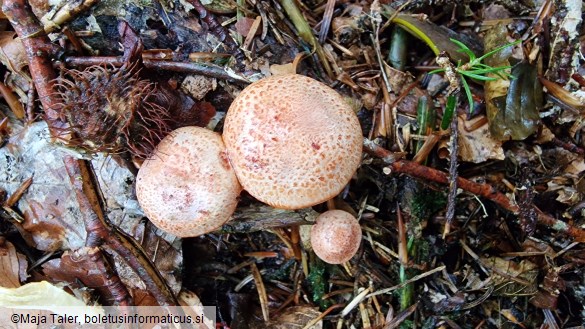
187,187
336,237
293,141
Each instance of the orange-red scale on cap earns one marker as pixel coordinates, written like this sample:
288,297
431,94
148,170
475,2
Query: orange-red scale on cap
298,131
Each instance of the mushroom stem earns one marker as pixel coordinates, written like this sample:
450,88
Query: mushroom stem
331,204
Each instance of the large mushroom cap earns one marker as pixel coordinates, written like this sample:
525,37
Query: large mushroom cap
336,237
293,141
188,187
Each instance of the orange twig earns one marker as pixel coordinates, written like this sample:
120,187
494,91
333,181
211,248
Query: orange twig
487,191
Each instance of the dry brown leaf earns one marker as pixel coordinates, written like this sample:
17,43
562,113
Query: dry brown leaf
166,257
78,267
477,145
563,95
277,69
512,278
12,53
10,266
243,25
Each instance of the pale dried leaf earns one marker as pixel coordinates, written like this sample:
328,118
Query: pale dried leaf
478,145
52,219
198,85
10,265
12,53
37,294
296,317
565,194
277,69
512,278
189,300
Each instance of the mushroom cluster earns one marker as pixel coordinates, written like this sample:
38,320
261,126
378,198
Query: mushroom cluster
292,142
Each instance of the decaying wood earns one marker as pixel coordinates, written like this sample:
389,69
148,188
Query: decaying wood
256,218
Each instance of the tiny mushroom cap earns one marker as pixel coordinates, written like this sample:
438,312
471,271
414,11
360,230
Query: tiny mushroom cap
293,141
336,237
187,187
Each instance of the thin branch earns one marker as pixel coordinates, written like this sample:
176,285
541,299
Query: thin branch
99,232
453,175
39,51
209,70
484,190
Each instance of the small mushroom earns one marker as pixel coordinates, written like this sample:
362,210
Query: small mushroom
336,237
293,141
187,187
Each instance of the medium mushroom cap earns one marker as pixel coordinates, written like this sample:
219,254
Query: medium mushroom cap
336,237
293,141
187,187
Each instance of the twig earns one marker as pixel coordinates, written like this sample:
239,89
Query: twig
355,301
112,281
66,13
88,267
257,218
409,281
99,232
184,67
261,291
13,199
568,146
484,190
453,175
39,51
306,33
218,30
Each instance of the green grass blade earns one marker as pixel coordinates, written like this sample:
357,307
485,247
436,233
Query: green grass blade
436,71
477,76
449,111
468,93
464,49
489,70
499,49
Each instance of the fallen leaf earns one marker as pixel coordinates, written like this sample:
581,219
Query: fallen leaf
10,266
477,145
296,317
39,294
512,278
79,269
12,53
